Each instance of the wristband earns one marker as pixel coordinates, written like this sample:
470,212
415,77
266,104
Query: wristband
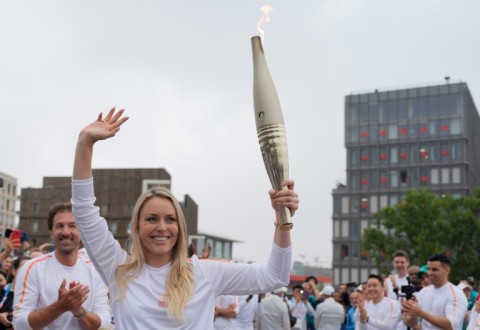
285,227
82,314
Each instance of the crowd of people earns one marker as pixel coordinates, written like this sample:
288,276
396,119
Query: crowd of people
161,283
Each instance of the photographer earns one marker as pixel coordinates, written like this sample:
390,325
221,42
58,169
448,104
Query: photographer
300,307
441,305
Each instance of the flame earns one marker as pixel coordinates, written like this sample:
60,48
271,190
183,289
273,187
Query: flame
264,19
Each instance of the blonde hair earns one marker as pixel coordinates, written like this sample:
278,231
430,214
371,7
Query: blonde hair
180,282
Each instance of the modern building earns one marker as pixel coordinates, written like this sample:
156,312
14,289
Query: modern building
423,137
8,200
116,192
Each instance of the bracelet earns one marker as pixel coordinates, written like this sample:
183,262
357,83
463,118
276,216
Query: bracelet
285,227
82,314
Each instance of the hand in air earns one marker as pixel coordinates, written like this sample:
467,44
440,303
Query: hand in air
104,128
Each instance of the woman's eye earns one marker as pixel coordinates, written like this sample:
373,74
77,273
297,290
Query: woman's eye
170,220
150,219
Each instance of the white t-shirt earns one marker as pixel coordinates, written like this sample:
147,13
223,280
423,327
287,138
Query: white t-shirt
224,302
274,314
37,284
247,313
143,306
329,315
448,301
382,315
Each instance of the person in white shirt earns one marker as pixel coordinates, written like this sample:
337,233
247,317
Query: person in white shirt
274,312
226,310
399,278
441,305
154,285
300,307
60,290
395,281
379,312
329,315
247,312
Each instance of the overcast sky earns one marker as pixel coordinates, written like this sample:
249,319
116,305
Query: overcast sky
183,71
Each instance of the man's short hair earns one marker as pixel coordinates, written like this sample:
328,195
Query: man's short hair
378,277
400,253
297,286
443,259
57,208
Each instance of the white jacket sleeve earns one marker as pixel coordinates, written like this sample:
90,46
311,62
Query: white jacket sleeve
26,296
102,248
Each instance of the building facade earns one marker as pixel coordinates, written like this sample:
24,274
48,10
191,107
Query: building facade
413,138
116,192
8,200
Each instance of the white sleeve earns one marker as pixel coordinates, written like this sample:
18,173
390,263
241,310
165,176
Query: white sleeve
474,323
456,309
102,248
26,295
101,305
229,278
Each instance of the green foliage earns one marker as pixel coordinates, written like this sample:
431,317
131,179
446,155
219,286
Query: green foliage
423,224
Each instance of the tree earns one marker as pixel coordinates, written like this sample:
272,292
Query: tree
423,224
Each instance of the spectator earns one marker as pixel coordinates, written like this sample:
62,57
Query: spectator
274,312
355,298
399,277
226,309
329,315
314,297
440,305
247,312
300,307
379,312
60,290
35,252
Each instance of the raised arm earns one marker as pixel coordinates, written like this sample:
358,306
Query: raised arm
101,129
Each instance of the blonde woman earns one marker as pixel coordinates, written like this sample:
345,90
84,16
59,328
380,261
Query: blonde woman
154,285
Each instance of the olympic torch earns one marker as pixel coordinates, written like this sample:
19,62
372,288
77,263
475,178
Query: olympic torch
270,126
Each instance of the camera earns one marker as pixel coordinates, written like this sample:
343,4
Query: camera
408,290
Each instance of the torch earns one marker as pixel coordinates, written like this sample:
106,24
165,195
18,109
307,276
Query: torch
270,126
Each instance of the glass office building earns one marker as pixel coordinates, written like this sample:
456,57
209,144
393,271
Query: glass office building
424,137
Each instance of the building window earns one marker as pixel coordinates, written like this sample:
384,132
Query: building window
34,226
456,126
336,275
152,183
393,132
456,151
445,176
218,249
345,228
383,201
423,153
403,178
336,228
393,179
373,203
227,250
434,176
113,228
354,228
345,205
393,200
355,204
344,252
35,208
354,158
363,226
393,155
423,177
374,156
456,175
